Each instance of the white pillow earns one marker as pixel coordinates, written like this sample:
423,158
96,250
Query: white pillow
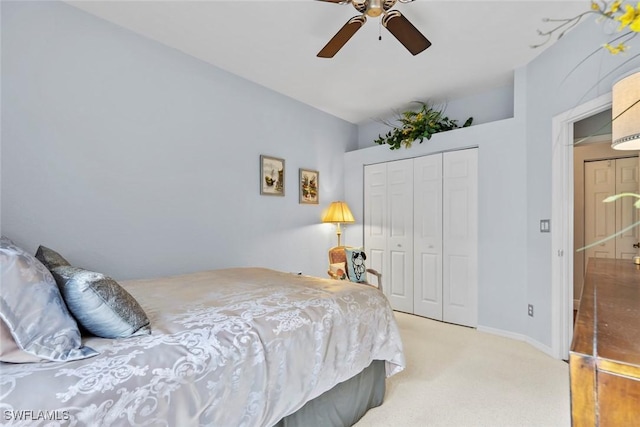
9,350
33,309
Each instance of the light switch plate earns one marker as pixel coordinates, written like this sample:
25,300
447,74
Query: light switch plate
545,225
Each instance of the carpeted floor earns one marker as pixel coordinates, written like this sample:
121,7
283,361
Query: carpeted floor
457,376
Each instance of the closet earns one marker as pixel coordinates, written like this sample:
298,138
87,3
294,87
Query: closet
421,232
605,178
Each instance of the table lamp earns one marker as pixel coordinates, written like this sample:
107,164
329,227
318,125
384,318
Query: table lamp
338,213
626,113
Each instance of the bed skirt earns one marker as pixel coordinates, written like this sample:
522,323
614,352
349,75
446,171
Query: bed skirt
345,403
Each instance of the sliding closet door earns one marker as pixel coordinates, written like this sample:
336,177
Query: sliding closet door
399,277
427,244
460,237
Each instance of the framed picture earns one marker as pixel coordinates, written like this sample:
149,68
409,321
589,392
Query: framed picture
271,176
309,186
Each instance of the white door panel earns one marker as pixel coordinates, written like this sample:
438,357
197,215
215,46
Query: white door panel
375,216
427,243
400,239
460,237
599,218
626,213
458,274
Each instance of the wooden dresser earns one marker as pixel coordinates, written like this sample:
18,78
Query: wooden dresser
604,360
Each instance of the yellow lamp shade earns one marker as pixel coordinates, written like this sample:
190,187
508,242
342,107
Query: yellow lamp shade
338,212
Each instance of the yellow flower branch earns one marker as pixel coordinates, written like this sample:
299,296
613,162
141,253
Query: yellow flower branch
623,12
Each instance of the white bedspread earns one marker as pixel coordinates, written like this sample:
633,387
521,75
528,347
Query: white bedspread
229,348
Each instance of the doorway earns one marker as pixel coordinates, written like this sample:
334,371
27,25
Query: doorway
562,240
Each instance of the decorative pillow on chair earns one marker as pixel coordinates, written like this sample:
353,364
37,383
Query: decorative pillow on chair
34,312
100,304
338,270
356,269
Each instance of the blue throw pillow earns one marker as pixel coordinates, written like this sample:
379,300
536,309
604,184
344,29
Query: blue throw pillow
100,304
356,269
33,310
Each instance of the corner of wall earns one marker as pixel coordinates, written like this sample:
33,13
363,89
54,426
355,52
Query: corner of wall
520,94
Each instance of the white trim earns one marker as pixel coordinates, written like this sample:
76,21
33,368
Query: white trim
542,347
501,332
518,337
595,139
562,223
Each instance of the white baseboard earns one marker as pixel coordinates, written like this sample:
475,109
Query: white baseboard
538,345
519,337
502,333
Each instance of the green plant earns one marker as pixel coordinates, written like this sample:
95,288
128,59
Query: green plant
417,125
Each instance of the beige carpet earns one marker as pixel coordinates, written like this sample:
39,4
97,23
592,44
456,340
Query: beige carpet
457,376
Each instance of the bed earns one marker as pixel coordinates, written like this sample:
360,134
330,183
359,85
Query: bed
230,347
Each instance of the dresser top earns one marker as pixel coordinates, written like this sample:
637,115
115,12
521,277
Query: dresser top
608,323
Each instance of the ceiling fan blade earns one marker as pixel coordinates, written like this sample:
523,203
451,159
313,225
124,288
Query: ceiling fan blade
336,1
405,32
342,37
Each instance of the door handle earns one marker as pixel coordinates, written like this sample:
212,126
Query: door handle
636,245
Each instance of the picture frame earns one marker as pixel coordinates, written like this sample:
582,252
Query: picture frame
272,174
309,183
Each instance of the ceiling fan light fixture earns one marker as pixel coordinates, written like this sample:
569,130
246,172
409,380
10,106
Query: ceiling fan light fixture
403,30
374,8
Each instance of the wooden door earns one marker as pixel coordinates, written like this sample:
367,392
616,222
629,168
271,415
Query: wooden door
427,244
460,237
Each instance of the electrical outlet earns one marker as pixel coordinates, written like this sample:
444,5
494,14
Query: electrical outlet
530,310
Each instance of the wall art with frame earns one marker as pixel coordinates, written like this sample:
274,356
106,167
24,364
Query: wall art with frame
309,181
271,176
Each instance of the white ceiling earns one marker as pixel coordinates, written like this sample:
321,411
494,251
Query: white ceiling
476,46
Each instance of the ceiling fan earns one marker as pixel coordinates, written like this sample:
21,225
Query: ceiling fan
394,21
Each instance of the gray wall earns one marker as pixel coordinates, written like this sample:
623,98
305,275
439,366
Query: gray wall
550,92
136,160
